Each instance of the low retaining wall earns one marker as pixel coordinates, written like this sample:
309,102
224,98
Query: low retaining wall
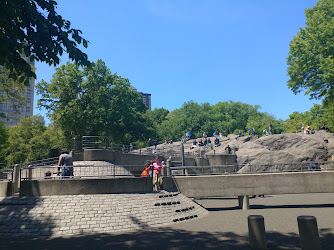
6,188
222,159
256,184
116,157
85,186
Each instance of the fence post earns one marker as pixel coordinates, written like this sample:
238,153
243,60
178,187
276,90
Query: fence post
168,164
308,233
182,154
257,232
16,179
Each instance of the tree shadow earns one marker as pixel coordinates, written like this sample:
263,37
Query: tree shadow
17,220
162,238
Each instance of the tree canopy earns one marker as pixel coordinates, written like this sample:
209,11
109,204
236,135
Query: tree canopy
92,101
310,60
33,29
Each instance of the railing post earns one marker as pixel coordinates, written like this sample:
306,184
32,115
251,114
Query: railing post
168,164
16,179
308,233
182,154
257,232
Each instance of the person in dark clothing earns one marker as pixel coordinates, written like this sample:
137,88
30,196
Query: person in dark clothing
65,160
149,142
155,143
228,149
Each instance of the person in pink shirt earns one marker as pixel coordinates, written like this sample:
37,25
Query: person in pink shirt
156,174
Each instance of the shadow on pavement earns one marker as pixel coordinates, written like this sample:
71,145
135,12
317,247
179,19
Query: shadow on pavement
17,220
162,238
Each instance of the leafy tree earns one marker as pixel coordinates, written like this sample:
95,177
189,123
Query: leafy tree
92,101
310,60
31,140
34,29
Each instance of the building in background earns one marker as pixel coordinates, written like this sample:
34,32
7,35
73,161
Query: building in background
146,97
147,100
26,110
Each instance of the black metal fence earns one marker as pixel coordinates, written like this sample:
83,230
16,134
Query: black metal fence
80,171
253,168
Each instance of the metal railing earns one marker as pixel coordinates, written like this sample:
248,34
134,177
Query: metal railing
81,171
6,174
104,142
252,168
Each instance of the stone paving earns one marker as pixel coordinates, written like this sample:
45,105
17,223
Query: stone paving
86,214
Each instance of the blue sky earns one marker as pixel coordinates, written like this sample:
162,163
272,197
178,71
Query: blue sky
205,51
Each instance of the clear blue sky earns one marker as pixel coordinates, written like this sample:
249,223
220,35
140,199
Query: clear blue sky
205,51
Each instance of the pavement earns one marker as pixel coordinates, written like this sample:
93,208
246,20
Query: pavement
221,226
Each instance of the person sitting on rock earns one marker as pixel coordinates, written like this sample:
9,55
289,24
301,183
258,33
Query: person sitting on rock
217,143
194,144
208,142
200,143
312,131
326,139
228,149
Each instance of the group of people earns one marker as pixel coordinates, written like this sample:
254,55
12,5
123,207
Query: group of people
153,170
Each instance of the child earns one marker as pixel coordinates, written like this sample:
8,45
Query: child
156,174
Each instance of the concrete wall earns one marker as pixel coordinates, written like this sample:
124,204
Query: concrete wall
6,188
116,157
256,184
85,186
218,160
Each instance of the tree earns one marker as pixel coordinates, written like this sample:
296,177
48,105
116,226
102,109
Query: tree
310,61
34,29
30,141
92,101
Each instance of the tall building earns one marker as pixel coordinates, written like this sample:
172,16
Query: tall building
147,100
13,116
146,97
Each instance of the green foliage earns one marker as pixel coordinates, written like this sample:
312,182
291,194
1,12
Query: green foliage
225,117
310,60
30,141
33,28
317,117
92,101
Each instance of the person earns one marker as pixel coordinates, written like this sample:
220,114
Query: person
194,144
217,143
200,143
270,128
249,131
156,174
65,160
302,126
187,135
215,134
146,172
155,143
165,142
190,134
205,135
149,142
312,131
170,141
326,139
253,131
220,134
208,142
123,148
151,168
131,147
228,149
239,135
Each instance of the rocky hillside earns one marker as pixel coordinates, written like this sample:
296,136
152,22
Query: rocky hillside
280,148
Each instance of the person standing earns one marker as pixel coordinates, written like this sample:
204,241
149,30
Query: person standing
156,174
65,161
249,131
155,143
228,149
253,131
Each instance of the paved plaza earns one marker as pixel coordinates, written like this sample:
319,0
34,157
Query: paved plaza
221,226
